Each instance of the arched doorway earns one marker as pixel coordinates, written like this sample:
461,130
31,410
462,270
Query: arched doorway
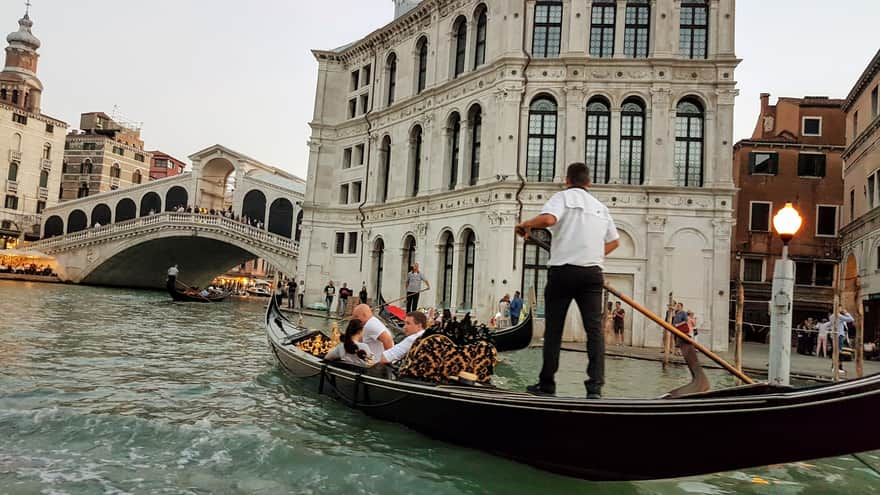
77,221
176,197
151,204
299,223
409,256
281,217
54,227
101,215
378,265
447,260
125,210
469,259
254,207
217,179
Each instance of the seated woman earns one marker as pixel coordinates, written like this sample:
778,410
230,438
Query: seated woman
352,348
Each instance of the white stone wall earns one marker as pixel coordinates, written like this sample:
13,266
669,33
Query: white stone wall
676,239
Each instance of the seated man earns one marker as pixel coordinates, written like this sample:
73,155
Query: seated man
414,327
376,336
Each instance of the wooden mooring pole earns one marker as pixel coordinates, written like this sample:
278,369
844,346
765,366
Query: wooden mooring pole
740,302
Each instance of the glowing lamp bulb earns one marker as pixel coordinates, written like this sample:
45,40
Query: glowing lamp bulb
787,222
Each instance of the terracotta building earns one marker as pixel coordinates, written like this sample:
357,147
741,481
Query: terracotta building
164,165
860,234
793,155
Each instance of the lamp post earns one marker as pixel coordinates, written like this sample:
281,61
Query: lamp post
787,222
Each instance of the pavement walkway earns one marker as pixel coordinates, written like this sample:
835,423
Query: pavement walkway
755,360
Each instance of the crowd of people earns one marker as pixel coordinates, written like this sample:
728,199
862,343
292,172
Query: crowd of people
11,264
227,213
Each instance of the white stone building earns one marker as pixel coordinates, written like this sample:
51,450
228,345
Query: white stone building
31,143
435,134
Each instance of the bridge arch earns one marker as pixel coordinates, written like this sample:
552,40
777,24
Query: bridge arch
125,210
54,227
254,205
101,215
281,218
176,196
150,202
77,221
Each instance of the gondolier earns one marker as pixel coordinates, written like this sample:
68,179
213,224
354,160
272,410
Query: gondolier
172,276
583,234
413,287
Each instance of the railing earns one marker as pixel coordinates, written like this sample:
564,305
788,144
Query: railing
11,186
114,181
46,164
43,192
251,235
14,156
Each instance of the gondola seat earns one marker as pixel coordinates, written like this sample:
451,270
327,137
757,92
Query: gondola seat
436,358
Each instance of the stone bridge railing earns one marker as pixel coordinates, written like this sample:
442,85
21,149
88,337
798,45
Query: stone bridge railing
238,233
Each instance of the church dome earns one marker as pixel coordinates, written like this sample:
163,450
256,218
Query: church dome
24,36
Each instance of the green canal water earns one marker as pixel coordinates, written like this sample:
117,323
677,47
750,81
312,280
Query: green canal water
118,391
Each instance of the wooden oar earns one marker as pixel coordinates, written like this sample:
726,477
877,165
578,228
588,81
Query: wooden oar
386,303
669,328
189,287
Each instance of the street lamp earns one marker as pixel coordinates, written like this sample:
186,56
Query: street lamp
787,222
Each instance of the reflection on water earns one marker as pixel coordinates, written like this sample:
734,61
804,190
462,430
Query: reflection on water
115,391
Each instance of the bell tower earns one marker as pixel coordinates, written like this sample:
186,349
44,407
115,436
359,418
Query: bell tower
19,85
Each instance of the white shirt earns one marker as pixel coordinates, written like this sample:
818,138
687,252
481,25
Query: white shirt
173,271
301,288
372,330
824,328
338,354
583,227
400,351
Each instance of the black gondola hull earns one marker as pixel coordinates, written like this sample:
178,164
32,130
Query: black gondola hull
623,439
180,296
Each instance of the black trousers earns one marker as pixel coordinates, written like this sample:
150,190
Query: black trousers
412,301
584,286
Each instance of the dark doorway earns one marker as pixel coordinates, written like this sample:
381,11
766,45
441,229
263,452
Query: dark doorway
281,218
77,221
151,202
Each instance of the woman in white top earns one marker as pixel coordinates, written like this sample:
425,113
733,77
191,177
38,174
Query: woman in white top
352,348
822,344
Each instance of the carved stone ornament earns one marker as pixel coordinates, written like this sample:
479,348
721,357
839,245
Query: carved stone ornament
656,224
421,229
769,123
722,228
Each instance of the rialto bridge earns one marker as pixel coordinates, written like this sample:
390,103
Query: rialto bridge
229,209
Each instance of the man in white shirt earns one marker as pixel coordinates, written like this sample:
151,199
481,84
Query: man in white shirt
172,277
583,234
414,327
376,336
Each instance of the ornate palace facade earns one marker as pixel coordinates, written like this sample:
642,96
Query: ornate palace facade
435,134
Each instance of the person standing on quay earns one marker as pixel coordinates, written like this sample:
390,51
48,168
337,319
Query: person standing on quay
619,320
329,294
516,305
413,287
362,295
344,294
583,234
301,289
291,293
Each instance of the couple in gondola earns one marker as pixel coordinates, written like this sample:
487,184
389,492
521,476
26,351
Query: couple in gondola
377,346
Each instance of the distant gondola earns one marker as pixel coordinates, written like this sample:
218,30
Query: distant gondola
606,439
513,338
182,296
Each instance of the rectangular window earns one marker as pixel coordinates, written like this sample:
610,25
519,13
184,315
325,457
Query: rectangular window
803,273
812,126
761,163
343,194
355,80
359,155
637,30
855,133
825,274
753,270
352,108
365,100
826,221
41,205
20,119
547,35
139,157
366,73
355,192
90,146
50,128
811,165
872,187
346,158
11,202
119,150
875,102
352,243
760,216
602,30
340,243
693,39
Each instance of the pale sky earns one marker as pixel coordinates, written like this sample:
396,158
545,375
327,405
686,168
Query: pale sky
241,74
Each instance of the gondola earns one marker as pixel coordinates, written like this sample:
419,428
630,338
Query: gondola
181,296
608,439
512,338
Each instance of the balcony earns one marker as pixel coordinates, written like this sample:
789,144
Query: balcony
84,178
46,164
114,181
14,156
43,193
11,186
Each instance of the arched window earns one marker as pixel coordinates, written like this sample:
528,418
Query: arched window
3,94
541,156
547,34
47,151
391,77
422,80
136,177
453,131
386,169
115,171
632,142
13,172
415,144
15,96
637,30
379,265
448,255
460,44
535,259
409,253
602,28
86,167
476,120
693,41
599,139
44,178
480,41
689,144
297,234
470,257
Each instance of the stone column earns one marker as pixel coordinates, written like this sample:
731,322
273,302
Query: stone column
665,27
720,298
464,154
726,29
579,27
575,126
714,30
619,28
710,149
657,291
723,157
661,146
614,177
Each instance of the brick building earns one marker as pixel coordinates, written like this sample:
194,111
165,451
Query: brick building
164,165
793,155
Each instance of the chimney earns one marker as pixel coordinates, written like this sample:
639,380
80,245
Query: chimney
765,102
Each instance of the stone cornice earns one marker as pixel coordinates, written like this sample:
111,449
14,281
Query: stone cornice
36,116
785,145
862,84
864,137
